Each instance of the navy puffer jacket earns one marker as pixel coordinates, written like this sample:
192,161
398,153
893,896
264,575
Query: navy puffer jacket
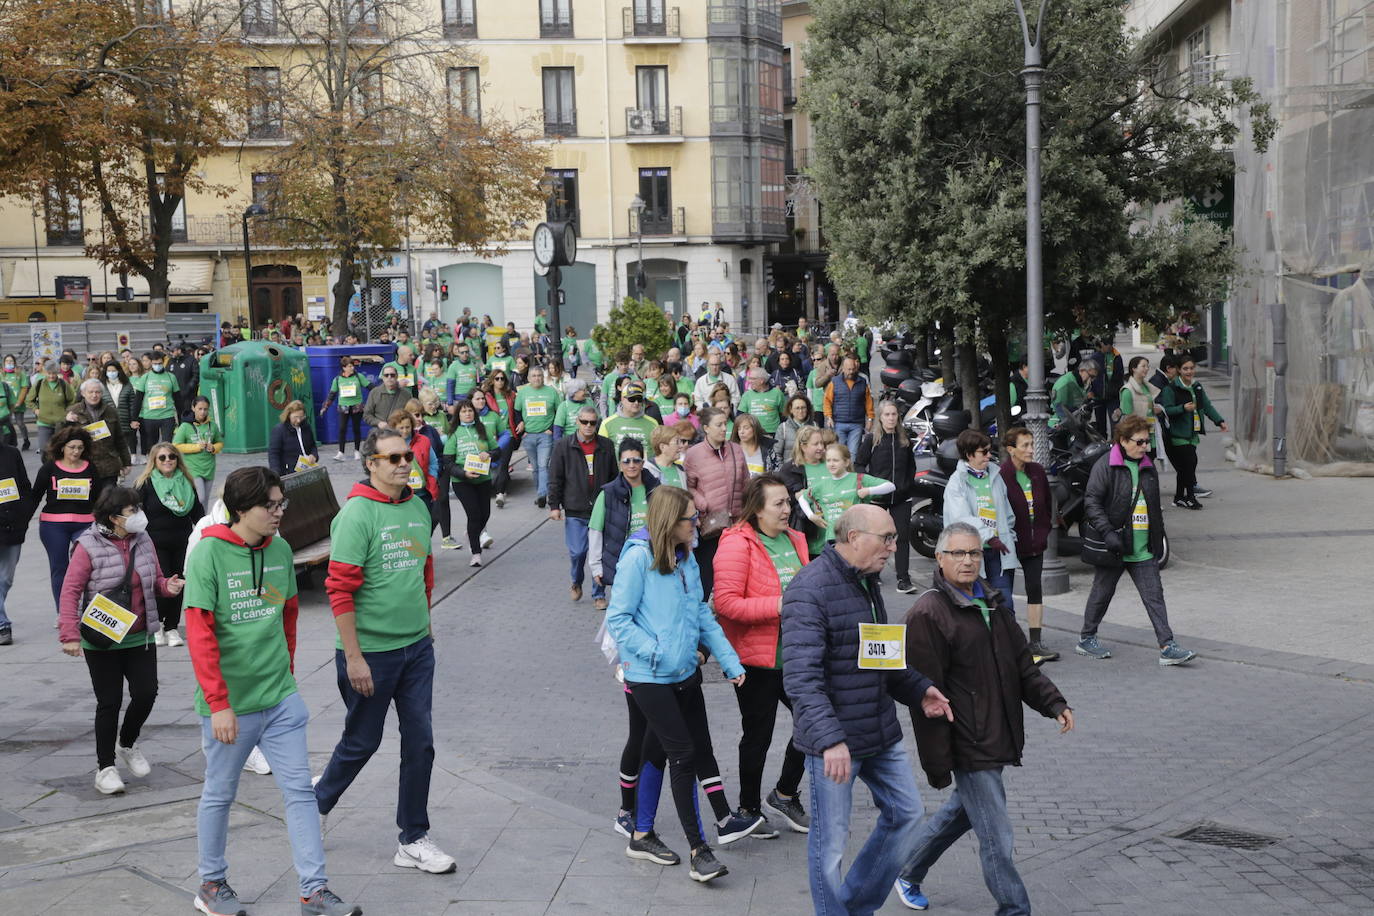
833,700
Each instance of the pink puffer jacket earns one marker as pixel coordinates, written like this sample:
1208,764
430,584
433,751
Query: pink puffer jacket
716,479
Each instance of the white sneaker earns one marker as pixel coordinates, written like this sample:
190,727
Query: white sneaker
160,638
133,758
476,560
107,781
424,855
174,638
257,763
339,456
486,540
500,500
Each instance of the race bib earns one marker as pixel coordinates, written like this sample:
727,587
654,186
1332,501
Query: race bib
882,646
349,390
9,490
476,464
1140,516
407,379
74,488
108,618
987,518
1030,501
157,401
536,409
98,430
591,464
1197,422
754,469
303,462
416,479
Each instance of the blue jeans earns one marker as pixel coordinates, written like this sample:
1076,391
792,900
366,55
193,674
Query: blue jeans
1000,579
889,777
57,538
575,536
538,447
9,558
851,434
978,802
404,676
279,732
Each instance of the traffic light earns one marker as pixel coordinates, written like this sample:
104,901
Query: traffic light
443,292
431,280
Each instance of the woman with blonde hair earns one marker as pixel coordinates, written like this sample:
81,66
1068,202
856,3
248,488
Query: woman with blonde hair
292,446
168,494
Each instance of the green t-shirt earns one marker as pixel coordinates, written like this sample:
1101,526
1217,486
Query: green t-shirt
464,376
673,476
608,387
788,564
1067,393
349,390
814,391
567,414
618,428
766,406
253,657
390,541
157,388
987,509
541,324
1140,520
461,443
505,363
202,463
639,510
539,407
1024,483
833,495
406,375
987,611
433,374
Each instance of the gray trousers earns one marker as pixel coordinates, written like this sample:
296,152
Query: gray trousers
1145,575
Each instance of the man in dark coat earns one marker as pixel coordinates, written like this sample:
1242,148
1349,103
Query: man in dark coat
965,635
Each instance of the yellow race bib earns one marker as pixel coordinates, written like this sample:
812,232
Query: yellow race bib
1140,516
882,646
74,488
9,490
104,616
476,464
348,391
536,409
157,401
98,430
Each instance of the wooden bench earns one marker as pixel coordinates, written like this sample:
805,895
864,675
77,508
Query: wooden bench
305,525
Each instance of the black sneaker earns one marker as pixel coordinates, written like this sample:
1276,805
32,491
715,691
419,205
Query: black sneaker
738,826
651,849
1201,492
541,502
6,637
790,810
764,831
325,902
904,586
217,898
1040,655
705,866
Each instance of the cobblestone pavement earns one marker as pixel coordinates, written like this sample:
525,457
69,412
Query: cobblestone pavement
1270,732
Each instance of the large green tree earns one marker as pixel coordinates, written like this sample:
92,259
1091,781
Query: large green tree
920,165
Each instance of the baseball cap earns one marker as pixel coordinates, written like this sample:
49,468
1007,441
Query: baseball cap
632,389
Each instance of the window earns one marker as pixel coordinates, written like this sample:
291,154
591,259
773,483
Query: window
260,18
179,217
460,18
773,186
560,111
655,188
264,103
730,86
1198,51
555,18
264,190
367,98
465,92
362,16
62,217
731,191
649,17
563,205
651,88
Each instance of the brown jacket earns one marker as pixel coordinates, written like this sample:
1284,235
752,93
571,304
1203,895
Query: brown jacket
985,670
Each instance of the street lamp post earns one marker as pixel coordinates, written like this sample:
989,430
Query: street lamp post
638,205
1055,575
252,211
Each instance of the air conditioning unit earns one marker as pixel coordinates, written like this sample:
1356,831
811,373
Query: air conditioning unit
641,122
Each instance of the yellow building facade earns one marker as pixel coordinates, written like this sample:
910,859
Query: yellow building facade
678,105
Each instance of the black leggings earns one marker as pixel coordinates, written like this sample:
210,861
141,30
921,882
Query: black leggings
901,517
706,563
758,700
1034,567
501,476
475,498
356,419
1184,458
641,746
172,559
110,668
439,512
677,715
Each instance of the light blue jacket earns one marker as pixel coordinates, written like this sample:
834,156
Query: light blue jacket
657,620
961,505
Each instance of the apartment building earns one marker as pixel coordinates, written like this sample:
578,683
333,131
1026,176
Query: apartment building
664,129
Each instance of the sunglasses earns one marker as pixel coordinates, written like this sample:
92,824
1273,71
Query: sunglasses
1139,441
582,422
388,375
635,400
167,457
631,460
396,457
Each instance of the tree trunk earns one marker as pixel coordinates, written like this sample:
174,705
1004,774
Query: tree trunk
1001,376
944,336
968,380
921,337
343,294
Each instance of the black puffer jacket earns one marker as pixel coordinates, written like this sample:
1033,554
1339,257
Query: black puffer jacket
14,513
890,460
834,700
986,671
1107,503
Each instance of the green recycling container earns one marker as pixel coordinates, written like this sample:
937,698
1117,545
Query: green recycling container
249,384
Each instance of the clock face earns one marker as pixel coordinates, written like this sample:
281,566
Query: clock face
543,245
569,243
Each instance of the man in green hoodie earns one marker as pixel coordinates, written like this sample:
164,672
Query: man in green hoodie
381,576
241,631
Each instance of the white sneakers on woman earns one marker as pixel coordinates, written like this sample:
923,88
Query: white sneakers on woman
257,763
133,758
174,638
107,781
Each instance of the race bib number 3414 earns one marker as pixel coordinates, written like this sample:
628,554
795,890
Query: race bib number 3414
882,646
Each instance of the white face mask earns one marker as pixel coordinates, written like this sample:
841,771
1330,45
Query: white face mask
136,523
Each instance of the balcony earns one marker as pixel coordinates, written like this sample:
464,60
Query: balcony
259,26
555,28
561,123
669,221
461,27
1207,70
653,26
747,223
653,125
797,161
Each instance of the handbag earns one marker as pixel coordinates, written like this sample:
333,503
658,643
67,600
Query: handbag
121,596
1095,551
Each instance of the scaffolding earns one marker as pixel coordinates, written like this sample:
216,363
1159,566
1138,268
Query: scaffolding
1305,236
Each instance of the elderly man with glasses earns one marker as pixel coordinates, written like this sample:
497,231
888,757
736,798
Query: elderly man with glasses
964,637
385,399
581,464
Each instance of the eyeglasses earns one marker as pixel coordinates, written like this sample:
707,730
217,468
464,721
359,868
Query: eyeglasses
276,505
693,518
388,375
396,457
167,456
631,460
888,539
582,422
963,554
1139,441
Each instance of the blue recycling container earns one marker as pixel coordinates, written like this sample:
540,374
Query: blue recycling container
324,365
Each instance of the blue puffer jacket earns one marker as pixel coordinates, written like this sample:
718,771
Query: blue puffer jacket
833,700
657,620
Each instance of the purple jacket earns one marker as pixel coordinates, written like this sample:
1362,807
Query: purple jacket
1031,539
